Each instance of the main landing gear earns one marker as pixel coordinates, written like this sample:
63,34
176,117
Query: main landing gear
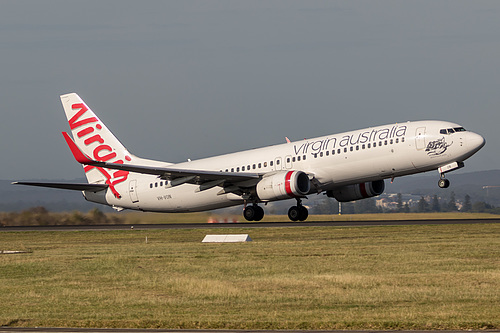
295,213
299,212
253,213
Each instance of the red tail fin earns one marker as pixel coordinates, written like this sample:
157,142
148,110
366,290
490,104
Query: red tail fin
77,153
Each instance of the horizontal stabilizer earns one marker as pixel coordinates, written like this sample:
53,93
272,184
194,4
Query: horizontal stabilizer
68,186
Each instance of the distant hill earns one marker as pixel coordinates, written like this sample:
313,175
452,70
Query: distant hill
18,197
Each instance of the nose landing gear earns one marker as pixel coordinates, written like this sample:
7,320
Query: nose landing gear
443,182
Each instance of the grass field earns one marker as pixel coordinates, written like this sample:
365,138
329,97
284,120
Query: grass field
401,277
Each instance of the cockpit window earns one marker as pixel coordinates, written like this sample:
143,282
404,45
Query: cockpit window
451,130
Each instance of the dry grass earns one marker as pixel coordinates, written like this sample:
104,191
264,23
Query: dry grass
413,277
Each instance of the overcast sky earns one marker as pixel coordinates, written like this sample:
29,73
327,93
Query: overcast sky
189,79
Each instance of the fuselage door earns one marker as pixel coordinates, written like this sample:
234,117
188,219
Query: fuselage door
133,191
288,162
420,138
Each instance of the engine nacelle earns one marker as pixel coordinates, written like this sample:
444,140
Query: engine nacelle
283,185
358,191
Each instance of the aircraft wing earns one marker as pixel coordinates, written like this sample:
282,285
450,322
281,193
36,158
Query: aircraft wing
67,186
177,175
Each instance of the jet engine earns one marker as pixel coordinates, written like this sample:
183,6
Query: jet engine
358,191
283,185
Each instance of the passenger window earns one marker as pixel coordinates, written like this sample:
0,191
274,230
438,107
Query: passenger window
288,160
345,150
392,142
298,158
374,144
156,184
151,185
352,148
327,153
227,170
278,162
238,169
304,158
321,154
385,142
161,183
402,139
338,151
369,146
265,164
254,166
260,165
271,163
232,169
397,140
243,168
293,159
357,147
363,146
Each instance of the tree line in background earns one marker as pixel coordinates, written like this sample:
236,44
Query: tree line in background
424,205
40,216
451,205
431,204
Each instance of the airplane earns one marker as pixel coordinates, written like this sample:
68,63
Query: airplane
347,166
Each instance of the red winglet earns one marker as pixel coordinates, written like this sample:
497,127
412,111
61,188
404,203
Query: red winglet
77,153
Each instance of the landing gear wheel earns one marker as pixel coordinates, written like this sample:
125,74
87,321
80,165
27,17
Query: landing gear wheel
249,213
304,213
298,213
294,213
443,183
259,213
253,213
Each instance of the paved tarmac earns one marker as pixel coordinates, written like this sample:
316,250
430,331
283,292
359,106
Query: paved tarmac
251,225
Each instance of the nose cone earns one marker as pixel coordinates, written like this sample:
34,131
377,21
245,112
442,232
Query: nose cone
475,142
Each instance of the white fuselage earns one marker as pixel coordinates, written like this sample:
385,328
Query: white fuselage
332,162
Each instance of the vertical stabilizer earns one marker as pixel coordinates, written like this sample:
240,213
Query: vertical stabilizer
94,139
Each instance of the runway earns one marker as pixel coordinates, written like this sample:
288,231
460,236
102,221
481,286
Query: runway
252,225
